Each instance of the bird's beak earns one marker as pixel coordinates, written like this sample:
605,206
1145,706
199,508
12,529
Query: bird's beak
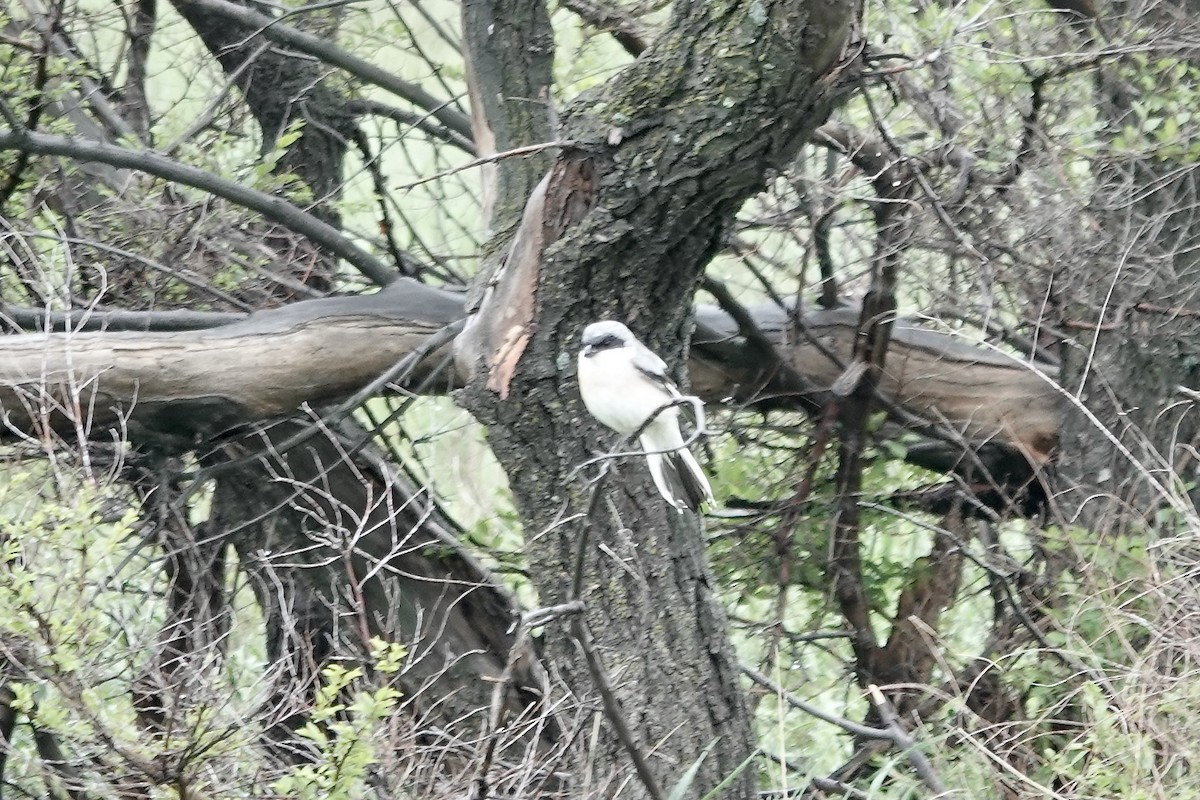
586,352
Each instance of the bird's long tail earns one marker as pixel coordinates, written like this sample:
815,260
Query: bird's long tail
679,479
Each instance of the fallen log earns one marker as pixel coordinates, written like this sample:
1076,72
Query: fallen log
979,392
180,387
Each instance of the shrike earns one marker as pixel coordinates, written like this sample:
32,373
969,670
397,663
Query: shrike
623,384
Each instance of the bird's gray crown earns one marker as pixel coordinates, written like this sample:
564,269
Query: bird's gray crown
605,334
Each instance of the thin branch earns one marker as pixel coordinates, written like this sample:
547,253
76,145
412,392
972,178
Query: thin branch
273,208
205,118
525,150
1029,132
417,45
831,785
612,708
421,122
892,180
905,741
40,319
409,264
821,243
579,629
850,726
36,107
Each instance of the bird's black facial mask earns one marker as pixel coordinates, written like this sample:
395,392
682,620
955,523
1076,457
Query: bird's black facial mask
604,343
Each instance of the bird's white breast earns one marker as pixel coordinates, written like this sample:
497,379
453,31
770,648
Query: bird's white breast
617,394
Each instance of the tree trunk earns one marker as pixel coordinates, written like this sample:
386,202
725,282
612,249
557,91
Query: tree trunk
510,56
663,156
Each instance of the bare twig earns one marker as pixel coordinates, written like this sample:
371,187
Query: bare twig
850,726
904,741
409,264
579,629
518,650
1029,133
272,207
525,150
612,708
419,121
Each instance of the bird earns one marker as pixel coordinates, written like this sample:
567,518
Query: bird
623,383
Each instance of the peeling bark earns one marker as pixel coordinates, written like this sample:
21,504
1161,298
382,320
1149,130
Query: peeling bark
509,46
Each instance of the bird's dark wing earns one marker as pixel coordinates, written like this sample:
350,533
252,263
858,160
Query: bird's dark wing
653,367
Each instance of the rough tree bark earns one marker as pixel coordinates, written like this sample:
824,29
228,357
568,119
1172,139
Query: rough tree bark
662,157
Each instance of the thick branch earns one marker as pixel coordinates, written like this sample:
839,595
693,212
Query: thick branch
194,382
368,554
625,28
366,106
329,53
985,394
192,385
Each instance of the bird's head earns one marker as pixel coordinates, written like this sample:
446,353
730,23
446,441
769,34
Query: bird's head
604,335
